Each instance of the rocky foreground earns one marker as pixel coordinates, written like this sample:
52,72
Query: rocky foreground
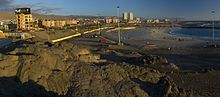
34,69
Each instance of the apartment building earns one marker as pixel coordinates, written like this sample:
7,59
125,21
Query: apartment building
58,23
24,18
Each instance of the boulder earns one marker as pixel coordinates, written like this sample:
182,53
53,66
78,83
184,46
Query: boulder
9,65
90,58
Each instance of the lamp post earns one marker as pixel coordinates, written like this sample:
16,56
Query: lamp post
98,23
213,26
99,27
119,32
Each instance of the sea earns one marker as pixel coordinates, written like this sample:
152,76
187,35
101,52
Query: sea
198,33
4,42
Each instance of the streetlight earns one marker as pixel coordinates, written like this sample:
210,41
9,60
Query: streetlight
99,27
119,32
213,26
98,22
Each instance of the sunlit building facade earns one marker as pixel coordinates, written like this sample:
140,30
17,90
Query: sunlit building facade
128,16
58,23
125,16
23,19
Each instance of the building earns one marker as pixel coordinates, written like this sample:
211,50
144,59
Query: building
166,20
59,23
155,21
72,22
137,20
1,23
23,18
115,20
53,23
111,20
128,16
10,27
125,16
108,20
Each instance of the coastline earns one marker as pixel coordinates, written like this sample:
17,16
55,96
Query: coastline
163,38
189,61
160,36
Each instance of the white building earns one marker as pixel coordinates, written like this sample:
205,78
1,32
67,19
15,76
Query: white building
1,23
125,16
128,16
131,16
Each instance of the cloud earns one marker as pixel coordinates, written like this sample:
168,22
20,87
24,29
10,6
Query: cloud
46,10
6,3
42,8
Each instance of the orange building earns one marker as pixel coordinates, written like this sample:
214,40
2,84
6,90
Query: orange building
111,20
24,19
58,23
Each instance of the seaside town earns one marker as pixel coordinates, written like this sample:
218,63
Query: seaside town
120,55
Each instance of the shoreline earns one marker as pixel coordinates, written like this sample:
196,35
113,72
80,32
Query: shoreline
179,55
141,37
162,37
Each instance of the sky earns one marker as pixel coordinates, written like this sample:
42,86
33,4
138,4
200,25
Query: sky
188,9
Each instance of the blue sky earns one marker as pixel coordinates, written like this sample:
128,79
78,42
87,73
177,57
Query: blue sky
190,9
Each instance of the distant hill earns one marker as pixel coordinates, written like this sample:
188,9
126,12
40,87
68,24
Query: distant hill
89,16
7,15
41,16
11,16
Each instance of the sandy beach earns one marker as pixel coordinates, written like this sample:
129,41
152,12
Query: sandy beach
161,37
140,37
199,66
149,58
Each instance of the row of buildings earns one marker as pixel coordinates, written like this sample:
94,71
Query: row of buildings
111,20
25,21
155,21
128,17
56,23
8,24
